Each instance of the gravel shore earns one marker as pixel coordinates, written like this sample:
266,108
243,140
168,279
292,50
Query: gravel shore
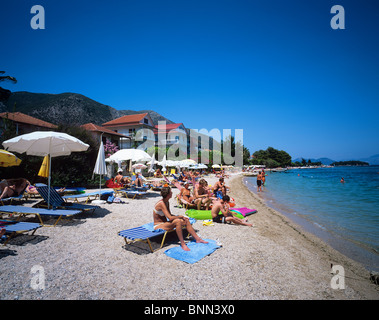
84,258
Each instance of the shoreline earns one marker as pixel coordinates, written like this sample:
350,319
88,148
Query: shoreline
357,274
85,259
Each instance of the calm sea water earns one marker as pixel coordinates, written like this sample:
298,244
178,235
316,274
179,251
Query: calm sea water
345,215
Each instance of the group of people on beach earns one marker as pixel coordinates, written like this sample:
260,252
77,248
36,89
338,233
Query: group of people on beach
261,179
164,219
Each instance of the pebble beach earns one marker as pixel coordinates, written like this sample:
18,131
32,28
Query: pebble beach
85,259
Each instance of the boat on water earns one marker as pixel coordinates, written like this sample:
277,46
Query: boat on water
250,174
279,170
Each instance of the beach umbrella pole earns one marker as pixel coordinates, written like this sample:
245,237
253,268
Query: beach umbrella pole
49,183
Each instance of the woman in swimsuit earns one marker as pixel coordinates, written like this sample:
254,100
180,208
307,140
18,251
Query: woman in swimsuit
163,219
12,187
185,193
202,196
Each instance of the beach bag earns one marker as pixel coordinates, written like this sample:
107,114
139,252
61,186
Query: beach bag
110,199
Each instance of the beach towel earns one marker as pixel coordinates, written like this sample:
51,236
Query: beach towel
198,251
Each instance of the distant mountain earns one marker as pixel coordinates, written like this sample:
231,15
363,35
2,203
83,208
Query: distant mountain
325,161
373,160
68,108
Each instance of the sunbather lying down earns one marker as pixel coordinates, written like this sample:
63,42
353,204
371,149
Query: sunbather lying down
12,187
163,219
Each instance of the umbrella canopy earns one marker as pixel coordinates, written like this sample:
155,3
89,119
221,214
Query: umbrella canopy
43,143
100,166
8,159
44,170
139,166
135,155
152,163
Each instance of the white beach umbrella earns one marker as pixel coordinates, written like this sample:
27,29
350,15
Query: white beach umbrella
163,163
139,166
43,143
187,162
100,165
135,155
152,163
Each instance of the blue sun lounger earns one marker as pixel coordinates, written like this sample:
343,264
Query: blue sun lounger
10,199
13,228
57,202
23,211
132,193
88,195
145,233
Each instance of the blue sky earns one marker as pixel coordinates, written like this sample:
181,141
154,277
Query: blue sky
275,69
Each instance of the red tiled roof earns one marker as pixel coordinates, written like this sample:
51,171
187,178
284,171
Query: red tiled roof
95,128
166,128
126,120
24,118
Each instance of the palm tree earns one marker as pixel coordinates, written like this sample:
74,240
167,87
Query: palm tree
3,78
4,93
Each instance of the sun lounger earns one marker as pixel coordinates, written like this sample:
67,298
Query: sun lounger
13,228
87,195
57,202
10,199
145,233
131,194
23,211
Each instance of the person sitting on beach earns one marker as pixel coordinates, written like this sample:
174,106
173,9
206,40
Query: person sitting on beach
12,187
138,181
226,216
163,219
202,195
185,193
158,173
119,178
219,189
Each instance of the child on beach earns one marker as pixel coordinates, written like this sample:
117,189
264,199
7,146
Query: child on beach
226,216
163,219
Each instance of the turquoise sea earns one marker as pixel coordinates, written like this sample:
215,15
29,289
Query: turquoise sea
345,215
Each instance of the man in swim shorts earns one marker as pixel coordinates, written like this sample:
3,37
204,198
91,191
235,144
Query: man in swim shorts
226,216
259,181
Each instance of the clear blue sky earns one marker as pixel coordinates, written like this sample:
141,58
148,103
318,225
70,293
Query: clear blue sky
275,69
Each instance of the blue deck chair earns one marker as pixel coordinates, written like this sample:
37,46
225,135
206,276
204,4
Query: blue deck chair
132,194
57,202
10,199
13,228
87,195
23,211
145,233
